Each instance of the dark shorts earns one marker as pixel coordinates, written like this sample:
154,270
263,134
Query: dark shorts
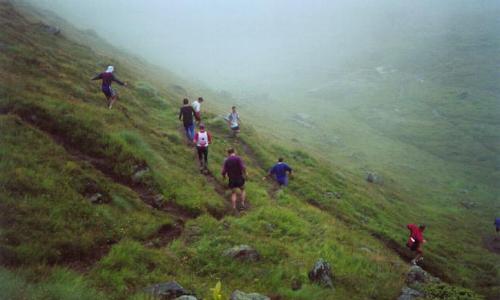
236,183
108,91
235,128
498,229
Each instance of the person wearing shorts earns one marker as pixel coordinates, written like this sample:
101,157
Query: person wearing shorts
280,171
497,224
107,78
197,109
235,170
202,139
233,120
415,241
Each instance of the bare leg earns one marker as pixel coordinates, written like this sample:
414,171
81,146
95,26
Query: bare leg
112,101
243,198
233,199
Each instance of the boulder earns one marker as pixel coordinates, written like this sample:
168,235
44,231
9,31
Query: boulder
372,177
409,294
416,275
321,273
239,295
50,29
167,290
243,252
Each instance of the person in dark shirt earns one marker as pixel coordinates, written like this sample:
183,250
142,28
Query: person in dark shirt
234,168
186,114
280,171
107,78
497,224
415,241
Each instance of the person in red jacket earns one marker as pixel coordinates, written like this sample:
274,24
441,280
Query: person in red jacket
416,240
202,139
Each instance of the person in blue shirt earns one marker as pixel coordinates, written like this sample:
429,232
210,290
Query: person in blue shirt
280,171
497,224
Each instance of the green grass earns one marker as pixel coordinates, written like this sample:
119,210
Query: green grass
58,137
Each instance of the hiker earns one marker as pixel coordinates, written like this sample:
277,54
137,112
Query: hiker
497,224
107,79
233,120
280,171
415,241
235,169
197,109
202,139
186,115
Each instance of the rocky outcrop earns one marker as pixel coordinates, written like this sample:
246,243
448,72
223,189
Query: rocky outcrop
239,295
185,297
416,279
167,291
321,274
409,294
243,252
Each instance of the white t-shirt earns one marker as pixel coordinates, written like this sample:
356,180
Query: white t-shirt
196,106
234,118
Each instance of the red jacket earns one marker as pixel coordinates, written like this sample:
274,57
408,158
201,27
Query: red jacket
415,233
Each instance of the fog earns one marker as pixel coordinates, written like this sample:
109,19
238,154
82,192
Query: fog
406,87
264,45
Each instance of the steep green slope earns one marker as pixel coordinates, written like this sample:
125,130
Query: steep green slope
99,203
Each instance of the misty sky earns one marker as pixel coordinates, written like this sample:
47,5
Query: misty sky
256,44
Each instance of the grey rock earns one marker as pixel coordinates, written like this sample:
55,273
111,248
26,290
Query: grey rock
321,273
167,290
416,275
158,200
139,175
374,178
239,295
96,198
409,294
185,297
243,252
50,29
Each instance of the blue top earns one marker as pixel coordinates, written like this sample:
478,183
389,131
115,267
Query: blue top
497,222
279,170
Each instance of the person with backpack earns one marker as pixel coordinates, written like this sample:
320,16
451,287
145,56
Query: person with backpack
235,169
197,109
415,241
186,114
202,139
280,171
107,78
233,120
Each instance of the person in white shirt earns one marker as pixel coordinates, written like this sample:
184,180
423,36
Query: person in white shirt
197,109
233,120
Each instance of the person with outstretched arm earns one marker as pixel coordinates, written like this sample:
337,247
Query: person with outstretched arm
235,169
415,241
280,171
186,114
202,139
107,78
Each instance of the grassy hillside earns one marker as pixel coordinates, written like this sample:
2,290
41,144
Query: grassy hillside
99,203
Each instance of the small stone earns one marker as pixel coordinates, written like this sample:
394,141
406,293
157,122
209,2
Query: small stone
239,295
139,175
243,252
321,273
96,198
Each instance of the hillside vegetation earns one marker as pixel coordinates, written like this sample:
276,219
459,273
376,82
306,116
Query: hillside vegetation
100,204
